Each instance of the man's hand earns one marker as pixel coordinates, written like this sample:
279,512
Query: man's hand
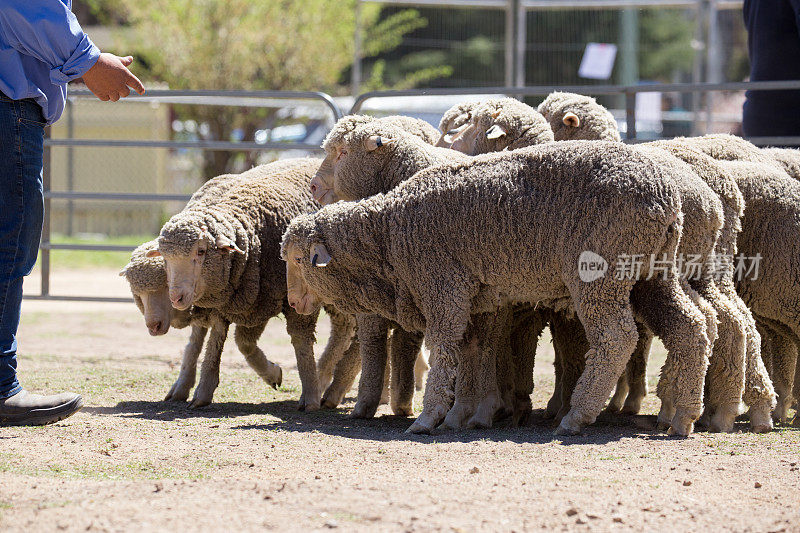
109,78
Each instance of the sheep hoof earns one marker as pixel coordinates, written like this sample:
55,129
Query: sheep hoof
196,404
632,406
273,376
724,418
419,429
178,393
458,415
363,410
403,410
682,423
569,425
796,421
760,418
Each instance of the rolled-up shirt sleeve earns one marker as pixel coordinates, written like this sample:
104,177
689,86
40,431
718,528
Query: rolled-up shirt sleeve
48,31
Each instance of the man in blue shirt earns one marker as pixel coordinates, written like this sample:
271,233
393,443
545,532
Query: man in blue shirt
42,48
773,40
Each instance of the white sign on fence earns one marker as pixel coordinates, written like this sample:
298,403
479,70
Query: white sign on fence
598,61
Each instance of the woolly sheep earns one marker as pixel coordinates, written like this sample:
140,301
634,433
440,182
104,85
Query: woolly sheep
502,124
352,170
392,252
148,282
703,211
577,112
507,123
223,254
575,116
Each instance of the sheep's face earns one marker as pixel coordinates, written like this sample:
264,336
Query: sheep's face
323,182
185,269
158,312
300,295
447,138
351,170
482,135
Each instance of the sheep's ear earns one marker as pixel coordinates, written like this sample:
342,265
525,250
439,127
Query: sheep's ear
451,134
495,132
153,253
571,120
228,245
319,255
376,141
496,114
123,272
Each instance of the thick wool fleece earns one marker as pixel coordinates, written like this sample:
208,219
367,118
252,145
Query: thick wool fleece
445,244
145,274
457,116
522,126
360,174
249,288
596,123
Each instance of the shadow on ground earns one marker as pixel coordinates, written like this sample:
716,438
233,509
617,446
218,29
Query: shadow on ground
537,429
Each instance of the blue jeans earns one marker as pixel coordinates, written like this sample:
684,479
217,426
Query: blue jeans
21,210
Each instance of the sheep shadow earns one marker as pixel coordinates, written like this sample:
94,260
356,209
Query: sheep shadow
284,416
535,430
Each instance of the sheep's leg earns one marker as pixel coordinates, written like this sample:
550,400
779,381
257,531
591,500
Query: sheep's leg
342,333
209,371
247,341
796,388
404,350
632,384
477,398
447,312
621,389
637,372
784,358
180,389
343,376
569,341
470,369
495,347
603,307
554,404
668,308
387,371
528,325
759,394
372,337
301,329
727,364
420,369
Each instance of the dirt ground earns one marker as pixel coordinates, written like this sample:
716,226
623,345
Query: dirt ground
251,461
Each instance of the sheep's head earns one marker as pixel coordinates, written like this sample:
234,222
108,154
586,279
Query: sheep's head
354,162
306,259
501,124
193,254
578,117
148,282
453,121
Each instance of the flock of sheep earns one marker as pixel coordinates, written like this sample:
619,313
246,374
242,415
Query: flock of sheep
473,240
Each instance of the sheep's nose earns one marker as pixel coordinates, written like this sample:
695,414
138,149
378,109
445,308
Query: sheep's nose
313,188
293,304
154,328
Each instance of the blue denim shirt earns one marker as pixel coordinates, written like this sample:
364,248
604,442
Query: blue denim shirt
42,47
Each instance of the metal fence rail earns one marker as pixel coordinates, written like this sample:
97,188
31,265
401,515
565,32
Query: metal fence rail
242,98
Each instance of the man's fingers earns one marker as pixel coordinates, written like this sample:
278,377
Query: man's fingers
134,83
114,96
127,60
124,92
